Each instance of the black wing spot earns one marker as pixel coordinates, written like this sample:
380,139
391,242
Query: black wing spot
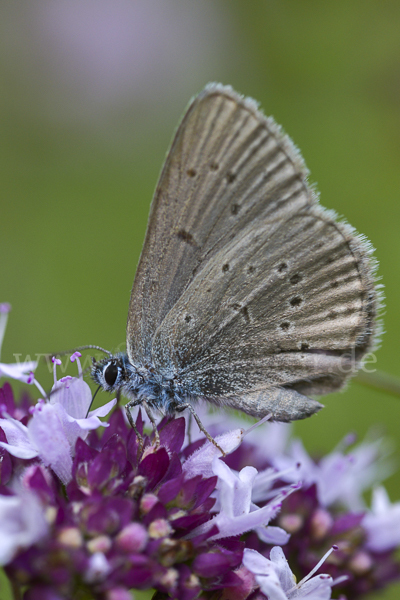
191,172
214,166
188,318
186,237
235,209
334,284
304,346
245,314
296,278
230,177
225,268
296,301
282,267
251,269
284,325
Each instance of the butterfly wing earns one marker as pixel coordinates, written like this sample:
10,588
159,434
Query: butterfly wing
287,302
226,163
244,281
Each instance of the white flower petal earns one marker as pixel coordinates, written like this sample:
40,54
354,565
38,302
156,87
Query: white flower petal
47,433
282,568
199,463
98,568
265,574
22,523
103,411
273,535
19,444
74,395
234,490
317,588
277,581
17,370
20,451
89,423
15,431
339,477
382,522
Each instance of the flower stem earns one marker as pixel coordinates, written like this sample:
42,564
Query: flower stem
380,381
16,591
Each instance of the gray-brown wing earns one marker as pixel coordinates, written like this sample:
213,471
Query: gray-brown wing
227,166
288,301
282,404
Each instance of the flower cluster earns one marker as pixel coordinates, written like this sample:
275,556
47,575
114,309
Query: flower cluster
329,511
128,517
87,511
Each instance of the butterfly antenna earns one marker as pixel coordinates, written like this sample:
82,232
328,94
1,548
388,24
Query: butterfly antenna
78,348
86,371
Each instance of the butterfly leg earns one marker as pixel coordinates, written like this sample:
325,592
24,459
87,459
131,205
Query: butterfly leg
200,425
128,409
190,428
149,414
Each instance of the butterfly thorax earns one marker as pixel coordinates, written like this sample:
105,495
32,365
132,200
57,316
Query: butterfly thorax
117,374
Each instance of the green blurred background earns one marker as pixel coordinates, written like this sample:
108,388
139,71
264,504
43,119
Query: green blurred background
91,91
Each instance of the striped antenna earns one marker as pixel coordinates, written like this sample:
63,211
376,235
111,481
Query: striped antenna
78,348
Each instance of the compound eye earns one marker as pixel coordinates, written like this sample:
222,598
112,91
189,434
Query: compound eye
111,374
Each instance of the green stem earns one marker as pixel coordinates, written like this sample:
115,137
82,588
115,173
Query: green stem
379,381
16,591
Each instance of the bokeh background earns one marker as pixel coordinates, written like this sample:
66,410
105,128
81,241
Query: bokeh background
91,91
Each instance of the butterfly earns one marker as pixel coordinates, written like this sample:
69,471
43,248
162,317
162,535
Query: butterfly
248,293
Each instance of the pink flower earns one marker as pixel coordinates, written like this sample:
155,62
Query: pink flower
277,581
18,370
22,523
382,523
56,425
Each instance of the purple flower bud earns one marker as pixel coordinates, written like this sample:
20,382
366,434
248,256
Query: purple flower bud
118,594
98,568
361,563
148,502
70,537
159,528
132,538
170,578
291,523
321,523
101,543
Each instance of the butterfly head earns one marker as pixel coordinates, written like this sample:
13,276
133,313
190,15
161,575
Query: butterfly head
109,373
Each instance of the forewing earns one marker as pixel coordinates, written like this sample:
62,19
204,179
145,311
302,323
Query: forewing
227,167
